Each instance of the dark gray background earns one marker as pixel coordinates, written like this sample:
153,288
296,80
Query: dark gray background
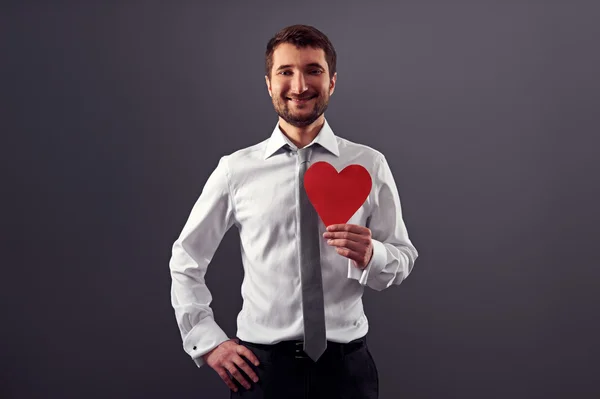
113,116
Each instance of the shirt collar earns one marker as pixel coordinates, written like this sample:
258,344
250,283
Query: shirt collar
325,138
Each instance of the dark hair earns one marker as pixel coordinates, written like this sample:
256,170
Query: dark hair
301,36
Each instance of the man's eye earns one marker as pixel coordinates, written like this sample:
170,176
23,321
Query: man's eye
314,72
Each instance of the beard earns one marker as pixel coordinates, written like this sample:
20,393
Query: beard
298,117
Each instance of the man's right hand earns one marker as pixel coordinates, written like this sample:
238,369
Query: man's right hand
226,357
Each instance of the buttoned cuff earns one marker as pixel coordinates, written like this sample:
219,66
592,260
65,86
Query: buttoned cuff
204,337
374,267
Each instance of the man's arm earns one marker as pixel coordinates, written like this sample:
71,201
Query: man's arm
393,254
209,220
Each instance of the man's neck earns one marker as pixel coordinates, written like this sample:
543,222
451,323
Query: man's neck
302,136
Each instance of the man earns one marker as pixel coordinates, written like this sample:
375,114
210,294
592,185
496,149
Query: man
302,329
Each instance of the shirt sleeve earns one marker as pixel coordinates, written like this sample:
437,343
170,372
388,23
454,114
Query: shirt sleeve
209,220
394,254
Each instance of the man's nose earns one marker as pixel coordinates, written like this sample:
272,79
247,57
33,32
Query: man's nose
299,84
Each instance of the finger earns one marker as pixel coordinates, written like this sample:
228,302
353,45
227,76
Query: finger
349,236
226,378
352,245
353,228
241,363
235,372
248,354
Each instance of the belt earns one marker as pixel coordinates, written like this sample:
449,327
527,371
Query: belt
295,347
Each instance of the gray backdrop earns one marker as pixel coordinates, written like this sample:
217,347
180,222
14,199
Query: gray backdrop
113,116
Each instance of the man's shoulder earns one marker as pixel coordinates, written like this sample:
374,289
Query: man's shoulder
359,150
247,153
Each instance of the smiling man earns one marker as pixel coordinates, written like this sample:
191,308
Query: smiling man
300,86
302,327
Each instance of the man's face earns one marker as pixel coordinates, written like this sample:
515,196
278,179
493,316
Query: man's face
300,86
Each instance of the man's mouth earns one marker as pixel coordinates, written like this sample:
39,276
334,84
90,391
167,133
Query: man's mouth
300,100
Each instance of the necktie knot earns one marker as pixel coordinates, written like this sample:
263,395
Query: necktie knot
303,154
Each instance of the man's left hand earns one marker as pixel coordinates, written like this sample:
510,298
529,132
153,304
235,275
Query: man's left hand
352,241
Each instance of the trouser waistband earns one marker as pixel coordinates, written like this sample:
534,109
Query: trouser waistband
295,347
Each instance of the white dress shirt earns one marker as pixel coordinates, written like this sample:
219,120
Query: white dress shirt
255,189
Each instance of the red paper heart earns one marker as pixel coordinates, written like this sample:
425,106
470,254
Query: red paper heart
336,196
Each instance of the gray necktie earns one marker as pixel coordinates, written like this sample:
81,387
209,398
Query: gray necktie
313,308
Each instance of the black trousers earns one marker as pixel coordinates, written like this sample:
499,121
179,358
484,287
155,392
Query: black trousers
344,371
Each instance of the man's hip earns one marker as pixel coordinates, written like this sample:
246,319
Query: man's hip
345,370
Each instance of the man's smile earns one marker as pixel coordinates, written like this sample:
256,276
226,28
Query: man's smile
300,100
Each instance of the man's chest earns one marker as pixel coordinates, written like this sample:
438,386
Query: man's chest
269,198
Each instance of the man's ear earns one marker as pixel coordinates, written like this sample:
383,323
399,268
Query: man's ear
268,82
332,83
